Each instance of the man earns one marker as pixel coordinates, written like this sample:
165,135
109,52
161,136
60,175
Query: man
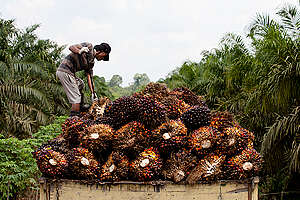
82,57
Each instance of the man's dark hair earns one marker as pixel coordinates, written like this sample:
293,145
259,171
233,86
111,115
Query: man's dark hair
103,47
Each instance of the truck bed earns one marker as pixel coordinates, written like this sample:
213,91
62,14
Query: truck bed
65,189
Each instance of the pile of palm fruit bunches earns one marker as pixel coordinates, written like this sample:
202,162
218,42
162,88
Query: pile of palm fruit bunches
155,134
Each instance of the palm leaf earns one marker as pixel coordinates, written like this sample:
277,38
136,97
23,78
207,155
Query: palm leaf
277,142
290,17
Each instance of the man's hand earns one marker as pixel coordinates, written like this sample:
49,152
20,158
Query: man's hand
84,49
94,97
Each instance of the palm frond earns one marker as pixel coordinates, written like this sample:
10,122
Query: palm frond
295,157
290,17
260,25
23,92
280,137
17,118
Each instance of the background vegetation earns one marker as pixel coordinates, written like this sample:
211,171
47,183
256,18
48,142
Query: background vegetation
260,83
257,79
18,170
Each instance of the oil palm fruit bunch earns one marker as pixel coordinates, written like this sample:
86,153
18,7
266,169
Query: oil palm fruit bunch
69,122
244,165
122,163
73,131
151,113
169,136
121,111
131,138
174,107
147,166
221,120
83,164
97,137
203,140
103,120
116,167
187,96
97,108
51,163
58,144
178,166
207,169
235,139
157,90
196,117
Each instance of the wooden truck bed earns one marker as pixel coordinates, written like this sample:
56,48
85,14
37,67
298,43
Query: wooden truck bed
63,189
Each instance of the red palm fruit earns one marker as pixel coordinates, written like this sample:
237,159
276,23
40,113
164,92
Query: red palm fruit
178,166
131,139
207,169
157,90
169,136
174,107
188,96
235,139
147,166
83,164
196,117
51,163
97,137
244,165
116,167
221,120
204,140
72,130
151,113
121,111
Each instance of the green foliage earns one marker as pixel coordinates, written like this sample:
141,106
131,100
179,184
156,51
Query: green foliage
18,169
48,132
190,76
274,183
30,95
140,80
115,81
282,135
117,91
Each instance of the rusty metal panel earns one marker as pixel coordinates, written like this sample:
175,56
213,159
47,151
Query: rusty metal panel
79,190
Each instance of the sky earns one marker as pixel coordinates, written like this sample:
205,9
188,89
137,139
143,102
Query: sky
146,36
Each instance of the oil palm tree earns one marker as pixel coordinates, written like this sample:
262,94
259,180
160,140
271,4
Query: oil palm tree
278,92
188,75
226,70
29,93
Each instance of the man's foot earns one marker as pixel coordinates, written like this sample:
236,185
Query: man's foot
84,107
74,113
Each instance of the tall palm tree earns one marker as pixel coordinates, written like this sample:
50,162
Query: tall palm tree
280,146
278,92
225,69
29,93
188,75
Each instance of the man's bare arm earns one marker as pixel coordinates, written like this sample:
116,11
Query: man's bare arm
75,48
89,80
